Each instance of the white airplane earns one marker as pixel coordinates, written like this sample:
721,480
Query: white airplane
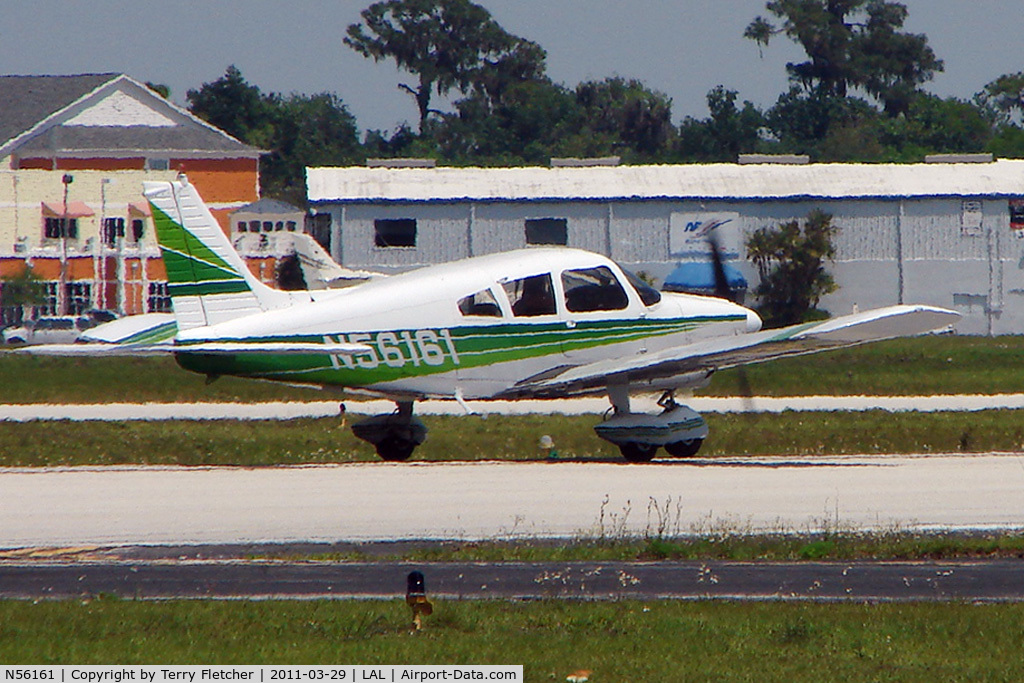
532,323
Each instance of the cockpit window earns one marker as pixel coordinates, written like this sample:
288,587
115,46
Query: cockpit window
531,296
482,303
649,295
593,289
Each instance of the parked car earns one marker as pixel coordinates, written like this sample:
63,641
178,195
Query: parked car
49,330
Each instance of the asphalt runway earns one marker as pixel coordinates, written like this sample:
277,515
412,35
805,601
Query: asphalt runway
361,502
888,581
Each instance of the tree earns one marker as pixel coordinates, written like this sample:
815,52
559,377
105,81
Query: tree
807,123
448,44
935,125
160,89
537,119
18,290
288,273
297,131
635,117
1003,98
307,130
790,261
726,134
852,44
236,107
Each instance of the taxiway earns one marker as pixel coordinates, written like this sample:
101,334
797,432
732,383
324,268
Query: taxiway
140,505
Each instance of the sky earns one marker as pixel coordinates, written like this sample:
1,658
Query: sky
682,48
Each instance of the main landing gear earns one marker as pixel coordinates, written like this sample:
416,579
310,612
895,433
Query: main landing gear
395,435
678,428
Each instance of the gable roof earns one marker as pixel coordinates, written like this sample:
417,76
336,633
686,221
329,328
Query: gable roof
266,205
102,114
27,100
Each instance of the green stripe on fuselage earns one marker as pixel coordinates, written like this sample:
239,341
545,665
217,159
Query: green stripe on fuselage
404,354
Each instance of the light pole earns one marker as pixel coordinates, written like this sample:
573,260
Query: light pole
62,298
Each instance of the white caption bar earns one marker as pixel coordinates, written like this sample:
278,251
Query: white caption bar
345,673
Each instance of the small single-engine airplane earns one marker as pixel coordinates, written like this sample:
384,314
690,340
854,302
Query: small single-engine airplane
532,323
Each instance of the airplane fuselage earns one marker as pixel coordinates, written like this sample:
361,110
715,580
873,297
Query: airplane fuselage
463,329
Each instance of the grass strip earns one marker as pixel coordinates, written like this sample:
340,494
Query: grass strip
903,367
471,438
698,543
616,641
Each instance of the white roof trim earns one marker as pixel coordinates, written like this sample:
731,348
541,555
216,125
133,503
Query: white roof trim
692,181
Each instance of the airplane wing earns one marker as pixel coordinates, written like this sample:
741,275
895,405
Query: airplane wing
216,348
655,370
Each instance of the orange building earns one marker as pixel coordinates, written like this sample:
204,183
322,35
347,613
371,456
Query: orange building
74,151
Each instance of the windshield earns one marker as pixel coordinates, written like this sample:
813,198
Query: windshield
649,295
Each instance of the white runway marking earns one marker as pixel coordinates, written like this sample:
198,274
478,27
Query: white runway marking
380,501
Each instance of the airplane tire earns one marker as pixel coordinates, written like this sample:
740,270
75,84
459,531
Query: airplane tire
684,449
395,449
638,452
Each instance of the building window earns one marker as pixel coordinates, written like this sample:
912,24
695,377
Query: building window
112,229
56,228
49,301
78,296
320,229
138,229
400,232
971,217
159,164
290,226
159,300
547,231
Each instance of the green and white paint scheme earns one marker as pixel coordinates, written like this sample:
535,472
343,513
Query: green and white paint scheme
532,323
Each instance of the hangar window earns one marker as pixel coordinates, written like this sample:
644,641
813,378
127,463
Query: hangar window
482,303
547,231
531,296
394,232
593,289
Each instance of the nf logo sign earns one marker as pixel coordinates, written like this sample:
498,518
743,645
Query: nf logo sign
689,233
701,229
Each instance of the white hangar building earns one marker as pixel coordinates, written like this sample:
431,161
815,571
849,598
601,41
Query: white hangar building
946,234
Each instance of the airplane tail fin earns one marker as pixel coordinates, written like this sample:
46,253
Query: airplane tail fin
208,281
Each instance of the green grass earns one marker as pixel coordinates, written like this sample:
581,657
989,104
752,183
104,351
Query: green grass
326,440
945,364
617,641
925,365
688,545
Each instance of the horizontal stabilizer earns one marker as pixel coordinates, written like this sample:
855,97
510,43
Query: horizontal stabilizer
742,349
